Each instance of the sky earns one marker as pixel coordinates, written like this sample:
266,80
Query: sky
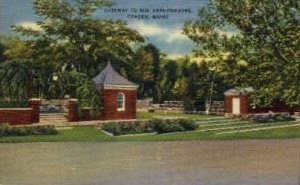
164,33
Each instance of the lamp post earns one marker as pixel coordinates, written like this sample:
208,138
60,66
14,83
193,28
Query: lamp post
54,77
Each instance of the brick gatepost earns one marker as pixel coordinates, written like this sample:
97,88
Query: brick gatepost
35,105
72,112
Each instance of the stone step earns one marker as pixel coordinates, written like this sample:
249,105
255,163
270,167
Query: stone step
55,119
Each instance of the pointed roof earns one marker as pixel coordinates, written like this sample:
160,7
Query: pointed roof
109,77
242,91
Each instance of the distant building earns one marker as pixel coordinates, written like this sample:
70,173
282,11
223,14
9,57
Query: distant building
237,103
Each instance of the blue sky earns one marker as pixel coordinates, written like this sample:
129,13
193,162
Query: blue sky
164,33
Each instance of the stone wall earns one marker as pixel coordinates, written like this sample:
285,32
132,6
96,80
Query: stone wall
144,105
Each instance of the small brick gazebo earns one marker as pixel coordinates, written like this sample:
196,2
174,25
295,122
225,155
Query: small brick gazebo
118,95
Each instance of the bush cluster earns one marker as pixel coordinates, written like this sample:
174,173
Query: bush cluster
270,118
156,125
14,104
173,125
128,127
6,130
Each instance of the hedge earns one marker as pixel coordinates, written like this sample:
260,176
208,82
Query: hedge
6,130
14,104
156,125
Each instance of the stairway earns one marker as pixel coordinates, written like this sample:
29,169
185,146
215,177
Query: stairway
53,119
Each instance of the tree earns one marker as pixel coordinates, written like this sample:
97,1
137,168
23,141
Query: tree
253,44
15,80
78,85
2,48
69,37
147,71
168,79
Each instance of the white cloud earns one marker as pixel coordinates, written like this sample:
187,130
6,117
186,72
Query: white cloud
30,25
168,34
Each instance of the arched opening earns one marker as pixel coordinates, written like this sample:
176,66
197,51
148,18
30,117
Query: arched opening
121,101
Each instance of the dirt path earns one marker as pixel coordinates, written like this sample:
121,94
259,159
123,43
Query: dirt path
251,162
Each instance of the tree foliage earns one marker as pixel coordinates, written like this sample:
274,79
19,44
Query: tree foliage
147,71
68,35
253,44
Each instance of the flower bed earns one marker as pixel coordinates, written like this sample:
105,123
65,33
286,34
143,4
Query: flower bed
6,130
149,126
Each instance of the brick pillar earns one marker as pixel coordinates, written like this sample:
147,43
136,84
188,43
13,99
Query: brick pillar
134,100
72,112
35,114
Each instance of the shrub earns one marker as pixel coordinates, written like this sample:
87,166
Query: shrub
3,129
6,130
188,124
14,104
175,125
166,126
47,130
270,118
113,128
157,125
125,127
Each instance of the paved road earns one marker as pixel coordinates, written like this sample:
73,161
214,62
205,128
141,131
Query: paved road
256,162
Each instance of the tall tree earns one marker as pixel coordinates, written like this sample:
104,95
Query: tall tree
147,71
155,53
69,36
169,73
2,48
255,43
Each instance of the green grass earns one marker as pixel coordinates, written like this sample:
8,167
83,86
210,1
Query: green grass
148,115
89,133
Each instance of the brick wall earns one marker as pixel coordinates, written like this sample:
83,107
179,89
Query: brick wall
276,107
15,116
109,110
247,109
21,116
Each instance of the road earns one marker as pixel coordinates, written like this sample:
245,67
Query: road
246,162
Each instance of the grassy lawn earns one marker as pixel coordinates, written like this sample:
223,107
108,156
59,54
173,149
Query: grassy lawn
90,133
148,115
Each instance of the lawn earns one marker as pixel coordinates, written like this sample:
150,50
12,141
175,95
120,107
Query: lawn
210,128
151,115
